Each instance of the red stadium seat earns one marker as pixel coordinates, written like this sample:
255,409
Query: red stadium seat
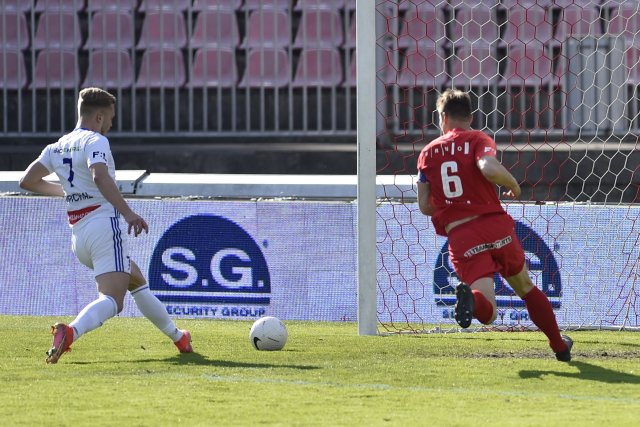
422,26
111,29
216,28
262,4
109,68
161,68
12,69
424,67
59,5
320,4
14,32
163,29
318,68
200,5
351,79
528,24
56,69
415,4
475,66
625,22
527,65
166,5
213,67
351,35
58,30
577,21
632,64
320,28
268,68
112,5
268,28
474,26
15,5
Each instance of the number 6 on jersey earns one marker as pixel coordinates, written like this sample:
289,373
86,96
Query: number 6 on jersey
451,184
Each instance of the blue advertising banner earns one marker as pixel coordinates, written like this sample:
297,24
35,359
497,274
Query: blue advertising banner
297,260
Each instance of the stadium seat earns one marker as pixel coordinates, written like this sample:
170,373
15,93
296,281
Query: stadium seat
13,70
475,66
269,28
111,29
528,24
166,5
59,5
216,28
413,4
113,5
58,30
350,42
161,67
474,25
632,64
214,67
508,4
14,33
422,27
109,68
320,4
56,69
267,68
318,68
163,29
200,5
625,22
423,68
263,4
351,79
319,28
527,65
15,6
577,21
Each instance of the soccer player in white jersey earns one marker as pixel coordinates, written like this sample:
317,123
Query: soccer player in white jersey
83,162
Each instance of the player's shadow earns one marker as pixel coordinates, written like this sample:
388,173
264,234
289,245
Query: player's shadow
199,359
587,371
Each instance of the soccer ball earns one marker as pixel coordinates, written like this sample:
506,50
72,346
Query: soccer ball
268,333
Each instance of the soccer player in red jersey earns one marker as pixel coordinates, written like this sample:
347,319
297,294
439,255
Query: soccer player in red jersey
457,175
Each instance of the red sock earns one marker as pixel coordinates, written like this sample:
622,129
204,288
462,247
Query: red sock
544,318
483,310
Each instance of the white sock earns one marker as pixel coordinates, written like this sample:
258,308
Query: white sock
94,315
154,310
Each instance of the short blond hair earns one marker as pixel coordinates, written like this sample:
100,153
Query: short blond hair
455,103
93,98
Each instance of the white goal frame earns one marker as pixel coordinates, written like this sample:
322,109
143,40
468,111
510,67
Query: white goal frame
366,147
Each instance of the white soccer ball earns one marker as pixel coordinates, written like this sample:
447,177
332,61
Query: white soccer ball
268,333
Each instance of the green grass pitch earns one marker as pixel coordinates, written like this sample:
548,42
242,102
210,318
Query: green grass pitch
128,374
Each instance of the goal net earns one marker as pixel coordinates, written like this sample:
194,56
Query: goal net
555,83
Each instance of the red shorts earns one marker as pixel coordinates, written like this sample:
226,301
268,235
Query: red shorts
484,246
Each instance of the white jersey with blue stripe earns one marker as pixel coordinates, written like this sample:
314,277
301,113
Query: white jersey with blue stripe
71,158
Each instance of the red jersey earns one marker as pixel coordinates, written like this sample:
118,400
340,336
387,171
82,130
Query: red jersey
458,188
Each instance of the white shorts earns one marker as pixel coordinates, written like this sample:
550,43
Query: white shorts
102,245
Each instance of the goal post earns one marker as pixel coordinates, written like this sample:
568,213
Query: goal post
555,83
366,146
